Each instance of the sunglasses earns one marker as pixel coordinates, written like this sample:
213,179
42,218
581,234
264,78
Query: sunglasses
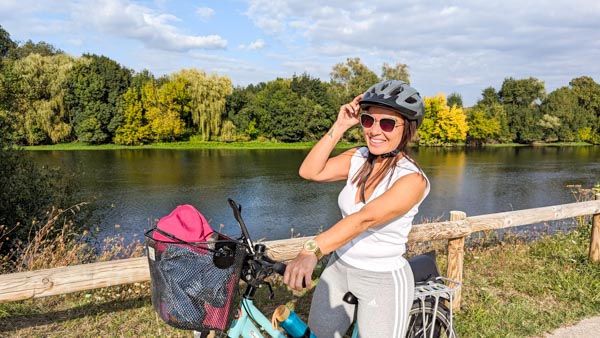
387,124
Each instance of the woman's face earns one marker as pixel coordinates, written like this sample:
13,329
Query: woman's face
381,141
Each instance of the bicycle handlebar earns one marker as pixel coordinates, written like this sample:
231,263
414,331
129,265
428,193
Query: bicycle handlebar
256,254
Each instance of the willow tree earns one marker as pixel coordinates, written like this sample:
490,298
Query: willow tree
208,96
41,93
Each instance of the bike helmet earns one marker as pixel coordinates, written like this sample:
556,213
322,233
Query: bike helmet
396,95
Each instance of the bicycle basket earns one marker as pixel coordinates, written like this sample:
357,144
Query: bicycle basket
194,284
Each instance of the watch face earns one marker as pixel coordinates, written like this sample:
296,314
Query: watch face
310,245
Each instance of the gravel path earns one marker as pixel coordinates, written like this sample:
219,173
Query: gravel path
589,327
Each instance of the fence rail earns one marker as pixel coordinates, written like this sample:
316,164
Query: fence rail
56,281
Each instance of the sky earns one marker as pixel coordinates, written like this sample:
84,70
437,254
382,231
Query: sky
449,46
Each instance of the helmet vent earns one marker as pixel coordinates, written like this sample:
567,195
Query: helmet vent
397,91
411,100
385,85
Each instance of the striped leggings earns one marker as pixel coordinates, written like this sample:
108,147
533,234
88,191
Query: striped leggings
384,301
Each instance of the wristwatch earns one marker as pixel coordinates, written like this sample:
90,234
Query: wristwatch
312,246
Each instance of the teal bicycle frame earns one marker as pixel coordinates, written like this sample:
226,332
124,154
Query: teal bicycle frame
243,322
247,314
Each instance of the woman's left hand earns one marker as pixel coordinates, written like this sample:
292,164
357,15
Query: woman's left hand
300,270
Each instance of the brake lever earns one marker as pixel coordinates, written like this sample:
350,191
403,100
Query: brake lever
271,293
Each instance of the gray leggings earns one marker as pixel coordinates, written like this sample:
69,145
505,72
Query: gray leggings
384,301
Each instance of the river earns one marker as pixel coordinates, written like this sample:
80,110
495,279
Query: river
136,187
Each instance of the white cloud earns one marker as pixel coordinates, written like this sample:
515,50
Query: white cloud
258,44
124,19
205,13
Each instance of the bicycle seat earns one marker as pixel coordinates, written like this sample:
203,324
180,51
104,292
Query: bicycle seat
424,267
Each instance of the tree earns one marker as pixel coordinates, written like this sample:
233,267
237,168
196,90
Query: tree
6,43
93,89
41,110
208,94
42,48
7,75
481,128
455,99
442,124
489,96
588,93
28,192
164,108
520,98
397,72
350,79
317,109
522,92
134,129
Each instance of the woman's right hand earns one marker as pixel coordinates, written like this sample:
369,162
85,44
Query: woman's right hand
348,115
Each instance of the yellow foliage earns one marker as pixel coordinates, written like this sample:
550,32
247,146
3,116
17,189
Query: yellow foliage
443,124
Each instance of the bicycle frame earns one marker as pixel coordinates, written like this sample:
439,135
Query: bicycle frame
243,323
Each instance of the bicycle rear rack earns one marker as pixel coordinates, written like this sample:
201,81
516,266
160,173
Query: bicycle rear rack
437,289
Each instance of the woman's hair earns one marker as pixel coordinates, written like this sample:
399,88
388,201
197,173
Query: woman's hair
361,177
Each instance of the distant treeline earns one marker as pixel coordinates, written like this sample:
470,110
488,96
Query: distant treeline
49,97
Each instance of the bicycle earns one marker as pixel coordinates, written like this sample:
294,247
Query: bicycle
246,260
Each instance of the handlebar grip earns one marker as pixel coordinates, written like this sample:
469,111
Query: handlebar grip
280,269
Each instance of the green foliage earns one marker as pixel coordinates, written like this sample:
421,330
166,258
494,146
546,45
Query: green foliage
94,86
207,94
397,72
41,48
350,79
455,99
41,113
164,108
481,128
27,192
6,43
134,129
228,132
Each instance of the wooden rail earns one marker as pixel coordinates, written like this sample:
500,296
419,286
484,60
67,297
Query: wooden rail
48,282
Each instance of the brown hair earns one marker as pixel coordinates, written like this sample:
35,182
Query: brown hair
361,177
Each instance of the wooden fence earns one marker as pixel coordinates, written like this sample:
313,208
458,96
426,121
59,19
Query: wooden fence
56,281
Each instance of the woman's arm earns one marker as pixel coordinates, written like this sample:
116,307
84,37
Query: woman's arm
318,166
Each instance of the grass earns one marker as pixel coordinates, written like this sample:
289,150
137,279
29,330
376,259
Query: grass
185,145
239,145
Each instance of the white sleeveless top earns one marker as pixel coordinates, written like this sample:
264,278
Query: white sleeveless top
378,248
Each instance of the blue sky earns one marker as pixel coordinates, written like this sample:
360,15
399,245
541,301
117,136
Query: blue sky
449,46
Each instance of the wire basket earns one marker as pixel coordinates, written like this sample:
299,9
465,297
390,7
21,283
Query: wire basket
194,284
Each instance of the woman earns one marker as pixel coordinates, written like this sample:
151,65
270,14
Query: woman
384,188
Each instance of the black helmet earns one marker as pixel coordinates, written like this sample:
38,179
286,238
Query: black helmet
396,95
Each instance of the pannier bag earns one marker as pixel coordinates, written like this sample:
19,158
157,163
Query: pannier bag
194,271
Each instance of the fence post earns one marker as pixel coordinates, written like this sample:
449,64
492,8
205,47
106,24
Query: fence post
595,237
456,253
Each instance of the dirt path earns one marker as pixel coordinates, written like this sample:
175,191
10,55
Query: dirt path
589,327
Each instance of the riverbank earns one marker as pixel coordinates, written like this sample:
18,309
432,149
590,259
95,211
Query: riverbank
511,288
246,145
